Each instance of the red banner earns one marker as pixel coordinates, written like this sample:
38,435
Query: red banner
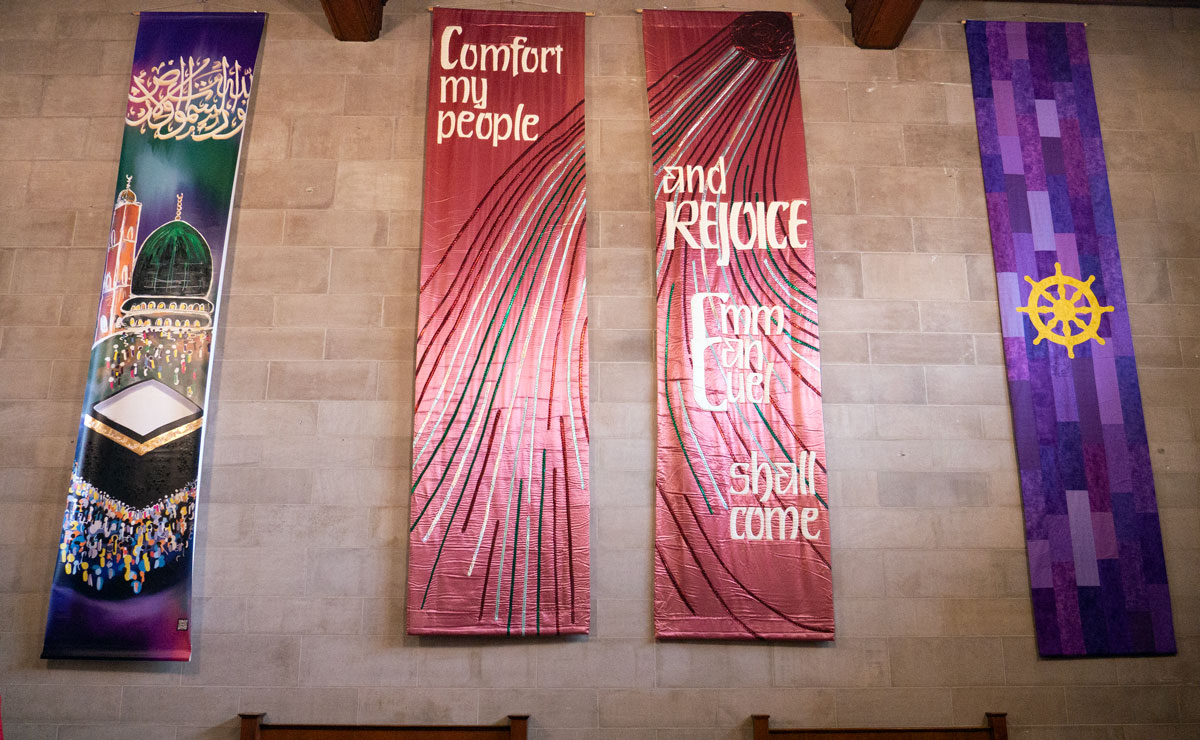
742,538
498,542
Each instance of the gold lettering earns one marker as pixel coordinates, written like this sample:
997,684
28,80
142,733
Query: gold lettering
191,98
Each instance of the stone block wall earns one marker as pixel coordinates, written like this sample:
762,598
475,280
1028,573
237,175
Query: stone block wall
299,598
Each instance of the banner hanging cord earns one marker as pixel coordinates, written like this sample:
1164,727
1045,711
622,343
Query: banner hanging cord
1024,16
509,4
202,3
722,6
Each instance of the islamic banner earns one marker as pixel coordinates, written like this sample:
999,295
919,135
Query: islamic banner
742,526
498,542
1096,565
122,587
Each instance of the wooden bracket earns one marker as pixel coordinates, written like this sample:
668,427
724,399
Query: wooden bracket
251,726
880,24
354,20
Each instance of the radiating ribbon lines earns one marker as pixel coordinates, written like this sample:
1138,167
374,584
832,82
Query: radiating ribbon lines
732,103
720,95
500,401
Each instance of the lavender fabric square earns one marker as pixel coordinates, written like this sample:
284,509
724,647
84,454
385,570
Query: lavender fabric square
1096,566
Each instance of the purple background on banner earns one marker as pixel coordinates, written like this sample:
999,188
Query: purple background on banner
1096,563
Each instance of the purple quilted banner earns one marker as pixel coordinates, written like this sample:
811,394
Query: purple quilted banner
1096,567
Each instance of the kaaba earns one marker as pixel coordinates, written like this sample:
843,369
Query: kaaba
141,444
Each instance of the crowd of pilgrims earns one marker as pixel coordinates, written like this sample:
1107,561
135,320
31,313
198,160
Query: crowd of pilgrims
104,539
172,357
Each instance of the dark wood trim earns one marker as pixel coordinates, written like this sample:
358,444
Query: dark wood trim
253,728
998,724
250,726
520,726
880,24
996,728
354,20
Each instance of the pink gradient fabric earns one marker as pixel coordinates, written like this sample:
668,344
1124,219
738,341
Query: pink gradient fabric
742,526
498,542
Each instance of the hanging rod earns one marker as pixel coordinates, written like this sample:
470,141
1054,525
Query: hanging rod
716,7
588,13
1010,17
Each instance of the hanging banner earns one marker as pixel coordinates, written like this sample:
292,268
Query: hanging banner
498,542
122,588
742,537
1091,522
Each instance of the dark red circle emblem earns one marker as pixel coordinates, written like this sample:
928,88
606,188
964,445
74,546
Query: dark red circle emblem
763,34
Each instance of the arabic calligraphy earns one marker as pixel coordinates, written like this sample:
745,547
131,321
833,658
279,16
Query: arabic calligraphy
190,98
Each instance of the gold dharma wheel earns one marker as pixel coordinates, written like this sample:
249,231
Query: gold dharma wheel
1064,310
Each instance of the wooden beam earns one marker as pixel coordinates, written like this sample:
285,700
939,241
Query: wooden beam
880,24
354,20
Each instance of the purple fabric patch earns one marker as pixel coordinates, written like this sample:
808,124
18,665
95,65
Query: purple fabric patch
1068,255
1119,464
1018,206
1023,244
1083,543
1066,406
1017,46
1039,564
1010,155
1108,395
1047,116
1010,298
1040,220
1095,552
1055,168
1016,370
985,116
1058,528
1031,151
1104,534
1005,110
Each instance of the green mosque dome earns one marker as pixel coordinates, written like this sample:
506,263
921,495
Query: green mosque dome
174,261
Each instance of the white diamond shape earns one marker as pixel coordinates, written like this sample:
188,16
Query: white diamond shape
146,406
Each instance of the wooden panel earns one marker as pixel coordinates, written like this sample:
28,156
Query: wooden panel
354,20
880,24
996,728
254,729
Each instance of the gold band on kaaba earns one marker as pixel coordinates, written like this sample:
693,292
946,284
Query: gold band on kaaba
141,448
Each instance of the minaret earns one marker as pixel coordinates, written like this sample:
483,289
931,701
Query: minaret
118,264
